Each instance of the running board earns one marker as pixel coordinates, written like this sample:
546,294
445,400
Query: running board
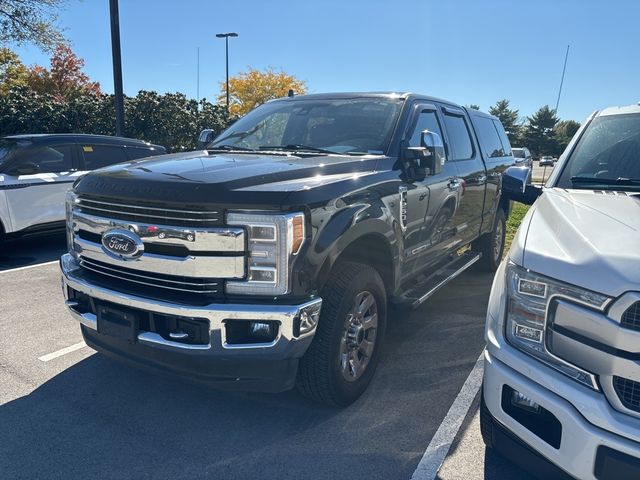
418,294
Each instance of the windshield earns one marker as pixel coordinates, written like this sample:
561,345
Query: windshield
347,126
518,153
608,154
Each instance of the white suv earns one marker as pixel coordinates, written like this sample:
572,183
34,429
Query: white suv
37,170
562,362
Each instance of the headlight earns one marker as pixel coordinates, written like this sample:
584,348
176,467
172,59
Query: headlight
70,201
529,296
273,241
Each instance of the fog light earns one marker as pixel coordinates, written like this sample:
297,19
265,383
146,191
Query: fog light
260,329
522,401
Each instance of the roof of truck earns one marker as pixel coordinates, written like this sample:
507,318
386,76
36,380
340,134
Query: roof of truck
635,108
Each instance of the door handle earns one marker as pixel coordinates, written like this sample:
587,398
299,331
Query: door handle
481,179
454,184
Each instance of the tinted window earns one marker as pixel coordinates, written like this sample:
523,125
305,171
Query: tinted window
134,152
518,153
459,139
98,156
49,159
489,137
426,120
506,146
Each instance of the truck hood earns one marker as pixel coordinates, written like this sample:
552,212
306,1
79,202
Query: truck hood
233,179
585,238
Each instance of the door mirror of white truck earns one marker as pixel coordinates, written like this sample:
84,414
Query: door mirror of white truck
516,186
206,136
427,159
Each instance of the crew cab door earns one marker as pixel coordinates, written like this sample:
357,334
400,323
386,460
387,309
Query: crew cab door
497,154
429,202
472,176
36,182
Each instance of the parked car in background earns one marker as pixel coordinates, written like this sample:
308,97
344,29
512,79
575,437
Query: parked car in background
546,161
562,370
37,170
522,156
269,259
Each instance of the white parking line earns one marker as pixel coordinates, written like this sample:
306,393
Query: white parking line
441,442
29,266
64,351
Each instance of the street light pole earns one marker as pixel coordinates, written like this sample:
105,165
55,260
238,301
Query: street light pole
117,66
226,42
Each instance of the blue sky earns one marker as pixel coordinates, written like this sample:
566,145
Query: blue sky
467,51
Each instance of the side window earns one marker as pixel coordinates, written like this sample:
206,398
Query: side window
50,159
98,156
135,153
489,139
506,146
459,138
426,120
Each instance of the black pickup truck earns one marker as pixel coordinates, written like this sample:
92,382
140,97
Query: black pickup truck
270,258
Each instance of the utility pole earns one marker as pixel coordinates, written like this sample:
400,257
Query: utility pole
562,79
226,41
117,66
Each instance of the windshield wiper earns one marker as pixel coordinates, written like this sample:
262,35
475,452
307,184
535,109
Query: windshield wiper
606,181
231,147
296,148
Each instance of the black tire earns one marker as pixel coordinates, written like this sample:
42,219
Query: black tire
321,375
488,245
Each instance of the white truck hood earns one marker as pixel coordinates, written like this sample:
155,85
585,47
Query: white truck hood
586,238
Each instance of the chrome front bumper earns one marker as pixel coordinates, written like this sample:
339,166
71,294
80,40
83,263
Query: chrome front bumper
217,314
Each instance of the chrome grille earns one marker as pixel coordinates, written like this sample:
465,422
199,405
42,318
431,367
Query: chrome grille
142,213
628,392
171,282
631,317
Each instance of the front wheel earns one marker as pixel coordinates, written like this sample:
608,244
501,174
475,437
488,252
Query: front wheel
343,356
491,244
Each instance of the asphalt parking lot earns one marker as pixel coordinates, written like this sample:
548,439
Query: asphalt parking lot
66,412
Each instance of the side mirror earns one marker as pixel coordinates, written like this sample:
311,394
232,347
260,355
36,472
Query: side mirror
206,137
516,186
27,168
427,159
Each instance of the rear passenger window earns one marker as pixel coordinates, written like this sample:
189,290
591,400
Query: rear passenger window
98,156
489,139
459,138
426,120
134,152
503,137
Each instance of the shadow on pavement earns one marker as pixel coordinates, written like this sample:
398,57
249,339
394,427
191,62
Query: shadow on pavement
101,419
22,252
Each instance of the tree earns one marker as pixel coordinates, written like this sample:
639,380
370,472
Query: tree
564,132
474,106
65,79
509,119
13,73
249,89
539,132
30,21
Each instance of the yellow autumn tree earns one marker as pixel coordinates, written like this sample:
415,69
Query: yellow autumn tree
249,89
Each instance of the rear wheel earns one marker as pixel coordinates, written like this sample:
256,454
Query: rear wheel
491,244
343,356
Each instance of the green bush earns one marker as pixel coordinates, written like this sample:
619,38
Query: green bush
171,119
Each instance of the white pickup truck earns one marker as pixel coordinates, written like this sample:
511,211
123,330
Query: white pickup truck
561,388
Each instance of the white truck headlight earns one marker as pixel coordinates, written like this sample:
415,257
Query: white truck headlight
273,241
528,298
71,200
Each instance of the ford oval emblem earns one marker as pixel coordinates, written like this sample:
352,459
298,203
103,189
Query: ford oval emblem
122,244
